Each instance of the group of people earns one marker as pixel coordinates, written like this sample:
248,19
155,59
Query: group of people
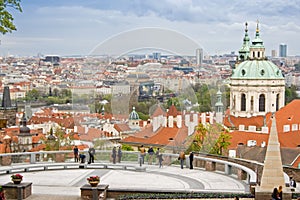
277,193
181,158
151,154
116,156
81,157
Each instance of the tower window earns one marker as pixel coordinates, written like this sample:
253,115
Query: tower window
262,72
243,72
262,103
243,102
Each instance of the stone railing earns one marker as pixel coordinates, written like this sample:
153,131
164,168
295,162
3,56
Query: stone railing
47,160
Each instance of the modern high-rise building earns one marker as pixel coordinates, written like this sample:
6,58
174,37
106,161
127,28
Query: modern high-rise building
273,53
199,56
282,50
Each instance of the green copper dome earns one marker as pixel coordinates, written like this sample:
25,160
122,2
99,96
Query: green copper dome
257,69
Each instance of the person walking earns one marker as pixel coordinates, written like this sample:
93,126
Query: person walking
181,158
142,154
114,155
119,154
92,153
76,153
191,157
160,159
151,153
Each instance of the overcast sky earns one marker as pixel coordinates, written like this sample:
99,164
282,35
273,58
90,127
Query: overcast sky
75,27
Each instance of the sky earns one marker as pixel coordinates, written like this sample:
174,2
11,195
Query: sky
76,27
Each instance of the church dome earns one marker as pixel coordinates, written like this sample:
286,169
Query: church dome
134,115
257,69
24,130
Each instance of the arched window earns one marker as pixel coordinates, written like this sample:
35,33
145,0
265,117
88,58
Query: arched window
277,102
262,103
243,102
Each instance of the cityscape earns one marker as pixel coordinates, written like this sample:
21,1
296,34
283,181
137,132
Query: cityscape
154,87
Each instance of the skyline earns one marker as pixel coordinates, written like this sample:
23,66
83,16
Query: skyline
77,27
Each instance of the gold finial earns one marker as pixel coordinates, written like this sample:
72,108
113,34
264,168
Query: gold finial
257,28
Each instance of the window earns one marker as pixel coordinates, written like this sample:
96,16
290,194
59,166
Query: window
286,128
243,102
261,103
295,127
277,102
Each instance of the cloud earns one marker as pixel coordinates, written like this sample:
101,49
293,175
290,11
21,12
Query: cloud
78,26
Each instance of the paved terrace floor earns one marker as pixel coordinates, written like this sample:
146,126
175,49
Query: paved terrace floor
65,184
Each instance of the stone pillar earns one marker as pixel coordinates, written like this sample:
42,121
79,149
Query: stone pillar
272,175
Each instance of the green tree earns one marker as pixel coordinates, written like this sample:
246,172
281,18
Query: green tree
209,139
290,94
32,95
6,18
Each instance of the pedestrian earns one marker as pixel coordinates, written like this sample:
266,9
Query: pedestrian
160,159
181,158
92,153
142,154
119,154
236,198
151,153
157,154
191,157
292,182
280,192
114,155
275,194
76,153
82,158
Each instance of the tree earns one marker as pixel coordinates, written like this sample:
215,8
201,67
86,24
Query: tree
290,94
210,139
6,18
32,95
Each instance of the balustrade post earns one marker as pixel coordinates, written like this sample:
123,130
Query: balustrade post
32,158
228,170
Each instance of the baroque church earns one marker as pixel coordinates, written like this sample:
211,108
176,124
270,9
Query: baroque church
257,85
257,92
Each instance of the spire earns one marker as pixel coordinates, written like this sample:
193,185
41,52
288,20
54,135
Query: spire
6,102
257,49
244,51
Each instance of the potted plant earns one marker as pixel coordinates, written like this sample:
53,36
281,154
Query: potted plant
16,178
93,180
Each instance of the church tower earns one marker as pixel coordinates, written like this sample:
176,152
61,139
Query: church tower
257,85
134,120
8,110
25,138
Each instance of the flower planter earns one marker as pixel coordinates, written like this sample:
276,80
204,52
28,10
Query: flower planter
94,183
17,181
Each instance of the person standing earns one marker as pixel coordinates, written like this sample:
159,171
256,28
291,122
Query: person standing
119,154
151,153
275,194
181,158
280,192
191,157
142,154
114,155
76,154
160,160
92,153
